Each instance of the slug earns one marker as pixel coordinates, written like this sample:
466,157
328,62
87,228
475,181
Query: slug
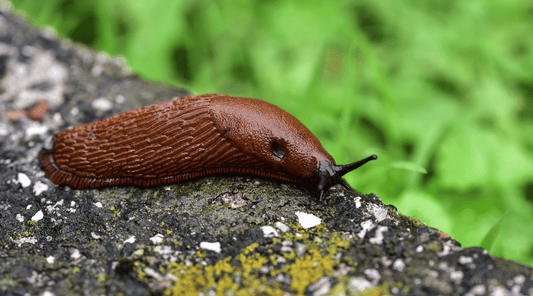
193,137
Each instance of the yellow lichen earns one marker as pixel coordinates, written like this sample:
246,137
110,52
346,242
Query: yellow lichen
304,267
382,290
307,270
191,282
223,267
250,263
226,284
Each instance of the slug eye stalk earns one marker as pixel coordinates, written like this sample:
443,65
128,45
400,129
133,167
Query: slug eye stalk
331,174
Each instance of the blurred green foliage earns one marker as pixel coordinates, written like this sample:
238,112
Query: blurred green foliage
443,86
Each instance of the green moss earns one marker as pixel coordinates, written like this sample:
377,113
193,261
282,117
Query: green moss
434,247
7,283
412,220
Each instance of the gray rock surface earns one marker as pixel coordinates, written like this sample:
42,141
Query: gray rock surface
215,235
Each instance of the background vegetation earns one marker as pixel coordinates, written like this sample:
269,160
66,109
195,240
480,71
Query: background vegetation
444,86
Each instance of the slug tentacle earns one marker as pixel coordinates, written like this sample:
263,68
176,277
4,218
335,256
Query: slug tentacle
331,174
189,138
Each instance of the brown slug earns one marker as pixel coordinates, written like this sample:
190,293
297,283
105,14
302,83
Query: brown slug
192,137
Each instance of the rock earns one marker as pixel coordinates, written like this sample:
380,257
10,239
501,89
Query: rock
215,235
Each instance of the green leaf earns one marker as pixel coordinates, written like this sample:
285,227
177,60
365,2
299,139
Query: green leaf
466,157
491,236
409,166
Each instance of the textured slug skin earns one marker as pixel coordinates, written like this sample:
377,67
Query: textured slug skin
187,138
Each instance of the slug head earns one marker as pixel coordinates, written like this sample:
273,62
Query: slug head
285,147
289,150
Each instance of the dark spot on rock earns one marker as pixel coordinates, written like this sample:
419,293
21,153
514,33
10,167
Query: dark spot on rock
42,86
124,266
3,65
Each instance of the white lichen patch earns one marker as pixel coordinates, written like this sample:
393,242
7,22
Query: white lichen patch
357,201
38,216
4,129
378,239
465,260
282,227
23,180
357,284
167,252
75,254
379,212
215,247
269,231
399,265
130,240
102,104
34,129
22,240
39,188
156,239
367,225
308,220
447,248
456,276
55,207
374,275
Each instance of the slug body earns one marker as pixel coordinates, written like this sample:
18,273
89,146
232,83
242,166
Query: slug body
192,137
